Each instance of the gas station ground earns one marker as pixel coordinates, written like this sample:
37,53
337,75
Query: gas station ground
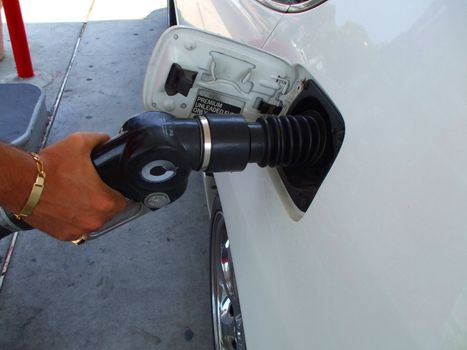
146,284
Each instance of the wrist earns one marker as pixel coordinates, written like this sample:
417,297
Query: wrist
36,190
18,173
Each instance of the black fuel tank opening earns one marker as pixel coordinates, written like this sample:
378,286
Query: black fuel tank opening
302,182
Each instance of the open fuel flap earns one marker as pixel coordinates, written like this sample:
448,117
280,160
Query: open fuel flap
192,72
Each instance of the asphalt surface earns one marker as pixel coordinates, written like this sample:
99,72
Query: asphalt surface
145,285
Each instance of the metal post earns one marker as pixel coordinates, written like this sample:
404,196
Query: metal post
19,41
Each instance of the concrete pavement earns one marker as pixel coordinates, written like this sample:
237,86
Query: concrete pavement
145,285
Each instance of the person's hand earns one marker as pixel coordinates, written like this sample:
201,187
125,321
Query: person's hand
75,201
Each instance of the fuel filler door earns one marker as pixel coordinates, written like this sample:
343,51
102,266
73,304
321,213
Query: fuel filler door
192,72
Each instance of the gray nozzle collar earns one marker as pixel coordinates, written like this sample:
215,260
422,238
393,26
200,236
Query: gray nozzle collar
207,142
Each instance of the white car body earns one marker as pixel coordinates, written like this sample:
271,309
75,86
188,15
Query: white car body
379,259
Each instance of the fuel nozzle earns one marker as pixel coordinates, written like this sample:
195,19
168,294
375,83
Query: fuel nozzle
155,152
230,142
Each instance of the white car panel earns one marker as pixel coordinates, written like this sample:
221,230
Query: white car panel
245,20
379,261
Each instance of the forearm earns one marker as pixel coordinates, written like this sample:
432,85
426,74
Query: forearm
74,200
17,175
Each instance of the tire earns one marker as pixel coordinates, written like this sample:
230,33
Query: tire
226,313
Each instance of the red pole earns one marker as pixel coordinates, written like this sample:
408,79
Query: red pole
19,41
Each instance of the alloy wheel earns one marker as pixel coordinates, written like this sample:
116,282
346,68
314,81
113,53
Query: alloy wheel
227,317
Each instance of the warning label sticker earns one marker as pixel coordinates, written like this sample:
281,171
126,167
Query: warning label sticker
209,105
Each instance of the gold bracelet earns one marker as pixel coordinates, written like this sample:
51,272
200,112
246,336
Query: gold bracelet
36,191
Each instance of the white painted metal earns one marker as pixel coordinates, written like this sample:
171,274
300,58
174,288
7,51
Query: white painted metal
245,20
379,261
